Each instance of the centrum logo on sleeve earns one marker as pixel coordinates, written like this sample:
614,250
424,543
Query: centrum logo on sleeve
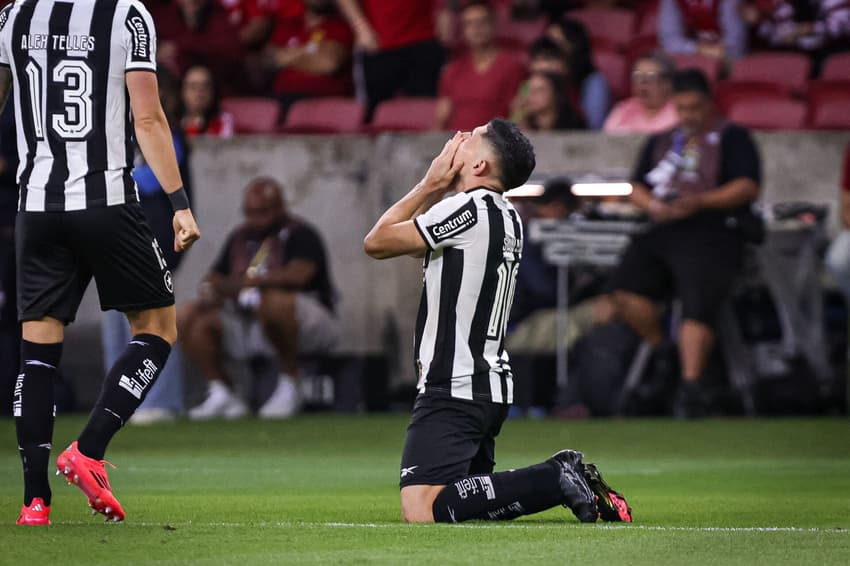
463,219
141,44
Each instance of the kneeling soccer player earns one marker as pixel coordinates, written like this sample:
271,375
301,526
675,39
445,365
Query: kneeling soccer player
472,242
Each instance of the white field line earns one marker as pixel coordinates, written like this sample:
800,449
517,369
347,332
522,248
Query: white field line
520,526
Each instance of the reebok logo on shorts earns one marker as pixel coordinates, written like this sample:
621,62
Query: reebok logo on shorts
407,471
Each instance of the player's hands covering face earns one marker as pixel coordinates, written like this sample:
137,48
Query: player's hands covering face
185,230
445,167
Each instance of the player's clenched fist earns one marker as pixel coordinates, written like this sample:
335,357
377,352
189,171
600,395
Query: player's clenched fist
186,230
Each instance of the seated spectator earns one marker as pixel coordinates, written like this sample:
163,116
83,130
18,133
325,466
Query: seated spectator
838,255
269,292
714,28
696,182
401,55
649,110
588,84
546,56
479,85
314,58
804,26
199,32
546,106
199,112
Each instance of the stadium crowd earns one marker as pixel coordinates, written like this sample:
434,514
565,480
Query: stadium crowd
550,64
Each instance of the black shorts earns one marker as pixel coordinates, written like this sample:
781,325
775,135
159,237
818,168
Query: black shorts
58,253
694,262
449,439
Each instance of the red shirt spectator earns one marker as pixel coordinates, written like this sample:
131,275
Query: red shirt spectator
199,32
400,22
477,96
199,106
255,19
316,57
480,85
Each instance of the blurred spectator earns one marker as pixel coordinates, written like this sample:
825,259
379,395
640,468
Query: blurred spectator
546,105
696,182
588,84
546,56
10,334
838,255
649,110
199,112
809,25
199,32
714,28
479,85
255,19
269,293
164,402
314,58
401,55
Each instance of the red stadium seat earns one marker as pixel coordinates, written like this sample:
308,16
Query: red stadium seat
727,92
708,65
831,115
790,71
405,114
829,105
253,115
329,115
613,26
769,113
836,68
615,67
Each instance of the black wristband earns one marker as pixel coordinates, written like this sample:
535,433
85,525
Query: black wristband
179,199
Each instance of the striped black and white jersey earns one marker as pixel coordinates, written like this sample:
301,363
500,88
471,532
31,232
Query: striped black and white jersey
68,60
475,243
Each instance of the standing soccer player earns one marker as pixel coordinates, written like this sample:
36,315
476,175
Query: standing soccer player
472,243
84,80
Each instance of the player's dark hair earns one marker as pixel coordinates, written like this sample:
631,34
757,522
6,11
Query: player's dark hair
514,153
691,80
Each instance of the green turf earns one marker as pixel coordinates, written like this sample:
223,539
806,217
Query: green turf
322,489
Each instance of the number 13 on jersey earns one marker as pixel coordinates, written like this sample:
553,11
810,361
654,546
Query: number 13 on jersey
73,78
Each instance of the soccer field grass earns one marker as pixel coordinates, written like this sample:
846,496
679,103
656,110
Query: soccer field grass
323,489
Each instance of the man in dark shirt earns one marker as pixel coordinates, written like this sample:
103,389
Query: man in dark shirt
269,292
696,182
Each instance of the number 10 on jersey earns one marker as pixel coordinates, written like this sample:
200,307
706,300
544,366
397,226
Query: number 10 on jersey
507,272
74,80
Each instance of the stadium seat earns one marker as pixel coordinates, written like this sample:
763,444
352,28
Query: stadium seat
829,105
790,71
405,114
708,65
616,70
331,115
836,68
728,92
769,113
253,115
615,27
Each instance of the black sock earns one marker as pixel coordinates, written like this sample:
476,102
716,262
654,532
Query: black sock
500,496
32,406
126,386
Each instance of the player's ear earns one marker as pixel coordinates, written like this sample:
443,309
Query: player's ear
480,168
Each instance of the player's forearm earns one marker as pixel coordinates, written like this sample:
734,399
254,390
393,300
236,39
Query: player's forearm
154,137
418,200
